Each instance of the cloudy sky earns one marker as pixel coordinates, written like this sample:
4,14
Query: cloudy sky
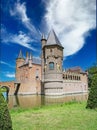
24,21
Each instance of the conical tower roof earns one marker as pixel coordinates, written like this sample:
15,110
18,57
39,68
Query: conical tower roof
30,57
20,56
52,39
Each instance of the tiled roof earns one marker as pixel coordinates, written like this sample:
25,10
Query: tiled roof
75,68
52,39
34,61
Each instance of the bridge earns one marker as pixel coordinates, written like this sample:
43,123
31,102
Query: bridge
12,87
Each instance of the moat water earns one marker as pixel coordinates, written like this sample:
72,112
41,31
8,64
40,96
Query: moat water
29,101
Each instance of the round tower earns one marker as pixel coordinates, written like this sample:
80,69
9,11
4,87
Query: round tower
52,65
43,42
19,62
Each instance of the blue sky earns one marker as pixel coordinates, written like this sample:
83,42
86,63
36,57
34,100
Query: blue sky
24,21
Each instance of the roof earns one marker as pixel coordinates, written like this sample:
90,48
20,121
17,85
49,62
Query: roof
75,69
20,55
52,39
35,60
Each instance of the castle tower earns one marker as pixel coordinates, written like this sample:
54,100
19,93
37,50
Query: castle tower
52,56
19,62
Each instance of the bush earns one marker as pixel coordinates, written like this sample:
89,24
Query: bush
5,119
92,99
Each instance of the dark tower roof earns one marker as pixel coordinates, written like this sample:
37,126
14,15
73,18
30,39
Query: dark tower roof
52,39
20,55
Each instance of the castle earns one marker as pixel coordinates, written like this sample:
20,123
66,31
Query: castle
46,75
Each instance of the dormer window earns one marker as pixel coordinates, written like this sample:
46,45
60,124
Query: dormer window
51,65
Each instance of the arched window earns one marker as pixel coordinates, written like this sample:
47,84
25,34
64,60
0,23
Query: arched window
51,65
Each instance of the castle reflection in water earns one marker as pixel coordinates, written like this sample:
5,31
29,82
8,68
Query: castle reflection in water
29,101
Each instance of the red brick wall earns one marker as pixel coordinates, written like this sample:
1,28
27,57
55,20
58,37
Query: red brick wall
9,84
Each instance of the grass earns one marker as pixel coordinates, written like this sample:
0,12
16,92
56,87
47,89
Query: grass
68,116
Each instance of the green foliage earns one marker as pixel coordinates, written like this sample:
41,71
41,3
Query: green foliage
92,99
5,119
91,71
3,89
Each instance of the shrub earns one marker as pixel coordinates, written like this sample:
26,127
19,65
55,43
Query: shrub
92,99
5,119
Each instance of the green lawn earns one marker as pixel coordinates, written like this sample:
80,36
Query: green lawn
69,116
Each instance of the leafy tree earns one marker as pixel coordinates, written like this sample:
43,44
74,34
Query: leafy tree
91,71
92,99
5,119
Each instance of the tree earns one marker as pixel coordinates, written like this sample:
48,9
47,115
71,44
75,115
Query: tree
92,99
5,119
91,71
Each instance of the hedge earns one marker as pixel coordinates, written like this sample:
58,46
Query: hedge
5,119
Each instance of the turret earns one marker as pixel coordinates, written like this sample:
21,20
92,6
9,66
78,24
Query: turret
27,58
30,61
43,40
19,60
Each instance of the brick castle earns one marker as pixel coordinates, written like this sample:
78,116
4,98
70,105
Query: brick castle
46,75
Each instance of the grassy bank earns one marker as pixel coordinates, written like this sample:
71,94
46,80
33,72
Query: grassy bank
70,116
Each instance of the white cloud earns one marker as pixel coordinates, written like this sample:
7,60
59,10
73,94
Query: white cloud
3,62
20,38
23,40
72,20
10,75
19,11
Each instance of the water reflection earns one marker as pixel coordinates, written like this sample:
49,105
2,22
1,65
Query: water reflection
5,95
38,100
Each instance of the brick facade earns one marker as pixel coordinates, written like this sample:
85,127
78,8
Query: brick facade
55,80
46,76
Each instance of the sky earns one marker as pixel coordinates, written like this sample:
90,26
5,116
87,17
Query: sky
24,21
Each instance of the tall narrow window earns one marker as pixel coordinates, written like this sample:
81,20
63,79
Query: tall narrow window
37,73
51,65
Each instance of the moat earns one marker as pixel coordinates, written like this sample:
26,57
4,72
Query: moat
28,101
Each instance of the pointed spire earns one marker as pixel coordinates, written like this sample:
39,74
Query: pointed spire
27,54
30,61
27,58
43,37
52,39
43,40
30,58
20,55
